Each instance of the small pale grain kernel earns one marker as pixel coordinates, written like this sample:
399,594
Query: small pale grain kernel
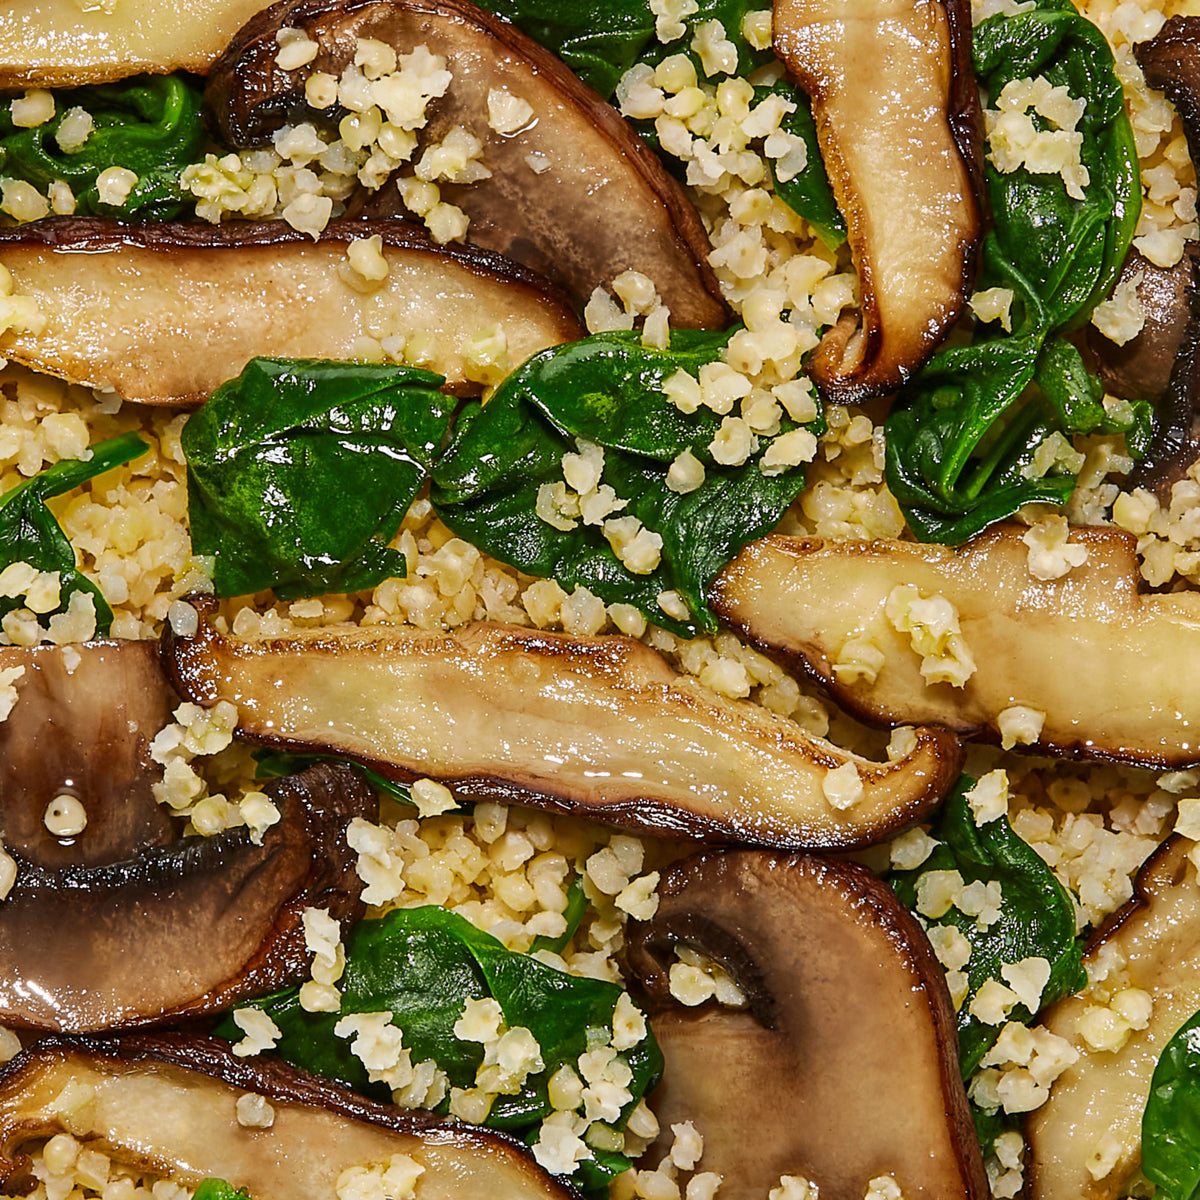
254,1111
35,108
65,816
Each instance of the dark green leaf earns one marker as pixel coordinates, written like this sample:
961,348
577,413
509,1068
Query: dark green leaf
152,125
300,472
1171,1122
577,906
1036,918
29,533
607,389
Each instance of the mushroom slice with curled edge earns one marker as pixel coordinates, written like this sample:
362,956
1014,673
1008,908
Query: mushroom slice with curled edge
1111,673
81,726
164,313
603,727
898,121
574,193
63,43
843,1064
1094,1113
184,929
168,1105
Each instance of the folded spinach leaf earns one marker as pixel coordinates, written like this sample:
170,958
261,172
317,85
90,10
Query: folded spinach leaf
30,534
1171,1122
607,389
152,125
1036,917
423,965
962,436
300,472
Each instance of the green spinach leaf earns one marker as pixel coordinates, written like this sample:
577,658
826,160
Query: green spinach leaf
152,125
963,434
300,472
1171,1122
30,534
218,1189
607,389
1036,917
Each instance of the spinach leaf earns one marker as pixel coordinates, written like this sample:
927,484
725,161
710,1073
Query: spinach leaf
1036,917
607,389
218,1189
422,965
30,534
1171,1122
300,472
963,434
152,125
275,764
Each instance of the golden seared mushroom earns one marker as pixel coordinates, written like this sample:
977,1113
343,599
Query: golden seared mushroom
62,43
169,1105
898,121
1146,960
842,1066
573,192
603,727
1082,665
164,313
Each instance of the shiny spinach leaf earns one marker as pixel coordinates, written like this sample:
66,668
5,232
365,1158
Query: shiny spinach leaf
1037,918
151,125
607,389
30,534
218,1189
1171,1122
963,436
300,472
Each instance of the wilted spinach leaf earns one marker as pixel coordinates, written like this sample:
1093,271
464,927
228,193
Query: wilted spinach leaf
218,1189
300,472
607,389
1036,916
30,534
1171,1122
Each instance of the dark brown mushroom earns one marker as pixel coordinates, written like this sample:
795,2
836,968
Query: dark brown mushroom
603,204
899,125
182,929
168,1105
843,1066
164,313
603,727
60,43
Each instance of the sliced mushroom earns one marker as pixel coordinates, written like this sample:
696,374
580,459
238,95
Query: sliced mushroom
599,726
169,1105
1113,672
62,43
843,1066
1153,945
164,313
898,122
81,727
183,929
603,203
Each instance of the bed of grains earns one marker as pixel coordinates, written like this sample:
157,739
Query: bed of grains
507,869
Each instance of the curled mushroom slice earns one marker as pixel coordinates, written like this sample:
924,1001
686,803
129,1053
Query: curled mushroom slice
182,929
843,1064
61,43
573,193
81,727
599,726
164,313
1109,673
898,120
168,1105
1149,950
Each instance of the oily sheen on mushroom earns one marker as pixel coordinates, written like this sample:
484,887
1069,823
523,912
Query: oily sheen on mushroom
843,1066
164,313
603,727
1033,640
168,1105
603,204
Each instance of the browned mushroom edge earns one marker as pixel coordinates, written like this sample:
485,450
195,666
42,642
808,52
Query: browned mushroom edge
573,230
167,1103
844,1064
